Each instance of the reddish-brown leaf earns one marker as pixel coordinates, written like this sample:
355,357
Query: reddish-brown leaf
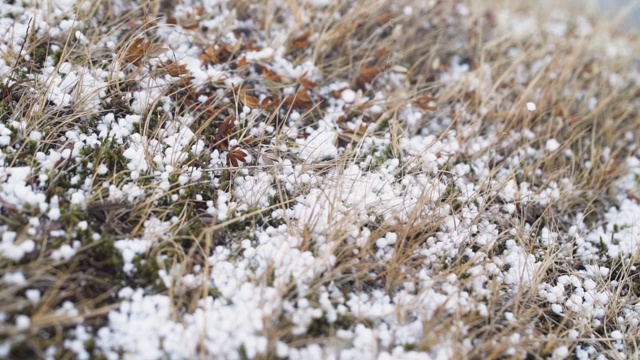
248,100
251,45
141,48
366,75
300,42
301,100
136,51
209,56
227,125
271,75
309,84
224,130
190,24
337,94
382,52
269,102
426,102
216,54
236,156
174,69
242,62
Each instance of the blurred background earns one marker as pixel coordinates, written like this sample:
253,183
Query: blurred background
628,11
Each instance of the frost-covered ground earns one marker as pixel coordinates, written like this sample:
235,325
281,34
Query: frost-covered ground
353,180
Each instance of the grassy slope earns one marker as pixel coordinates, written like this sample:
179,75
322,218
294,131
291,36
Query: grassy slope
241,180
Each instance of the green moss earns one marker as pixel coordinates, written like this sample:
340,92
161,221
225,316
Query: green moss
383,125
387,152
56,56
146,275
17,220
456,205
203,187
242,352
39,54
320,327
108,153
22,350
152,122
6,111
105,261
409,347
71,216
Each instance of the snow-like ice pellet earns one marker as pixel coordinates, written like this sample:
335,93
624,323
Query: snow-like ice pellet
552,145
348,96
531,106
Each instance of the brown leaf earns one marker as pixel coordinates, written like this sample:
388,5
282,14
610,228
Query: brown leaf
174,69
269,102
366,75
251,45
425,102
300,100
337,94
248,100
382,52
309,84
136,51
242,62
236,156
209,56
349,136
221,138
384,19
171,20
140,48
271,75
227,125
300,42
190,24
216,54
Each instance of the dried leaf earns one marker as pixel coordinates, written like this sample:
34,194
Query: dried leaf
235,157
248,100
300,42
216,54
384,19
269,102
174,69
349,136
251,45
209,56
227,125
301,100
136,51
426,102
309,84
242,62
221,138
271,75
366,75
141,48
172,20
190,24
337,94
382,52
